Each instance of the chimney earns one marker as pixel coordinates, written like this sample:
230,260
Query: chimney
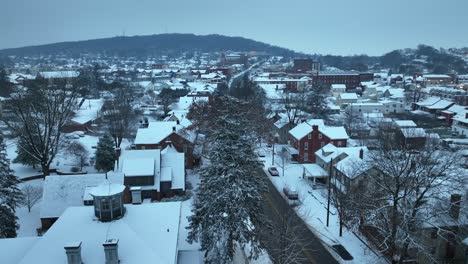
455,204
314,128
110,251
466,115
361,153
73,251
136,194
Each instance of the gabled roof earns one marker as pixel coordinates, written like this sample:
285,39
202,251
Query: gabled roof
304,128
413,132
156,132
442,104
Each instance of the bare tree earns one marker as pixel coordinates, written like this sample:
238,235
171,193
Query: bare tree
284,157
80,152
32,195
400,196
38,115
293,104
119,115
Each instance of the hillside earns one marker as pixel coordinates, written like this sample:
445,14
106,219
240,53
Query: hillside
150,45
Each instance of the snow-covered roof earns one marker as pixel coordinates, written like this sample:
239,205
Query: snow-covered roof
347,159
429,101
413,132
174,160
106,188
313,170
455,109
12,250
442,104
59,74
436,76
334,132
166,165
138,166
348,96
404,123
304,128
338,86
155,133
61,192
142,235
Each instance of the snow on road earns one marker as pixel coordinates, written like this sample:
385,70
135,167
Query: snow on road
313,211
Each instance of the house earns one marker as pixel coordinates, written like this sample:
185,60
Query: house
412,138
439,234
280,128
85,115
158,134
309,136
61,192
438,79
345,99
346,165
452,111
404,124
107,232
460,123
337,89
156,173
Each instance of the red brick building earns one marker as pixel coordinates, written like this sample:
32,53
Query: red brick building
311,135
159,134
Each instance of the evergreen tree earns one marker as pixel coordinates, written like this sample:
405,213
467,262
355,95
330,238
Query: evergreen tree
8,224
105,154
10,194
24,154
229,197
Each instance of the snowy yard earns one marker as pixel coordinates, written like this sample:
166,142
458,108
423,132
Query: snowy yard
313,210
29,221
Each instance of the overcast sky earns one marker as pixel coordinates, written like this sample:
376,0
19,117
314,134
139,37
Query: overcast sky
327,27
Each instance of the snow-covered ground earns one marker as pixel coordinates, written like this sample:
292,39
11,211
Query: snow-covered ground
29,221
313,210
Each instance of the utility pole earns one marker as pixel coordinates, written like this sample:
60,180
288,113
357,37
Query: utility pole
329,191
273,155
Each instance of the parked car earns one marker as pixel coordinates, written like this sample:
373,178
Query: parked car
273,171
291,193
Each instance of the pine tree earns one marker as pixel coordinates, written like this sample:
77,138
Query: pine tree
105,154
24,154
10,194
8,224
229,197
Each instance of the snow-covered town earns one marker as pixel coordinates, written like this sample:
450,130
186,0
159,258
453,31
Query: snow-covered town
216,149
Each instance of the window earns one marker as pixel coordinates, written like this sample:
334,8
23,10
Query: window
322,144
309,136
320,135
306,145
104,204
306,156
338,143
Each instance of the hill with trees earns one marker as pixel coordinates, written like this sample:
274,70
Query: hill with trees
151,45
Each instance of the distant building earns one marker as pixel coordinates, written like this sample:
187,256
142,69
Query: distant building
306,65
